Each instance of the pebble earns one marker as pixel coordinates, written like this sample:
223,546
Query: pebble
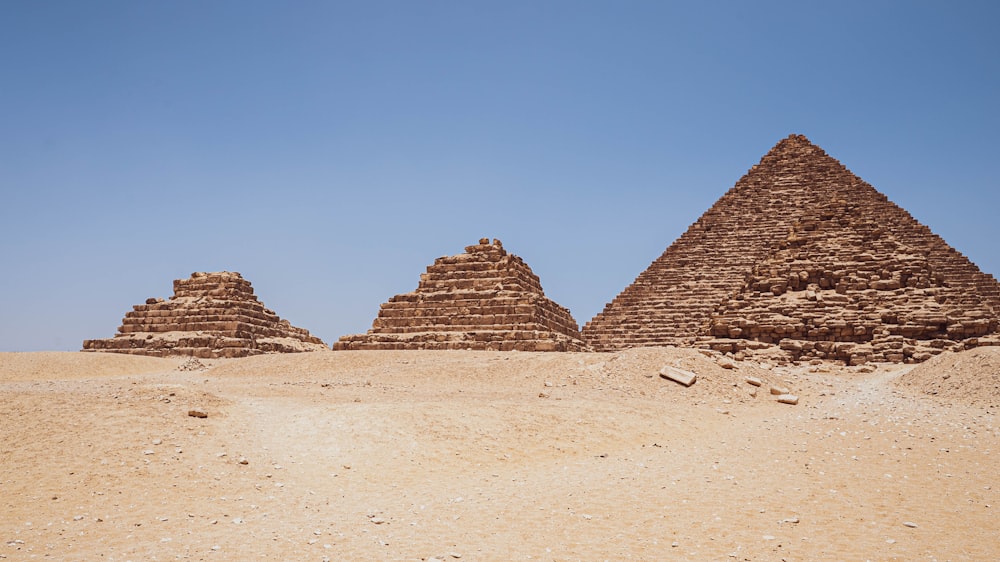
754,381
80,518
198,413
377,520
148,452
157,441
243,460
910,524
777,390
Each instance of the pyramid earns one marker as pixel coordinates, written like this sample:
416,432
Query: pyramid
211,315
484,299
803,254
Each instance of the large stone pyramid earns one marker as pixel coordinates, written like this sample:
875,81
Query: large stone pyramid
211,315
484,299
804,254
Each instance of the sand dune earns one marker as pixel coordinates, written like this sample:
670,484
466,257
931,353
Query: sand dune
495,456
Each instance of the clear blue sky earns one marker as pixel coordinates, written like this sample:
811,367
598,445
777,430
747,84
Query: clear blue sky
329,151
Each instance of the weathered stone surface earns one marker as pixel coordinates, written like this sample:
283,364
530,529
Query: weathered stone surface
211,315
483,299
686,378
804,255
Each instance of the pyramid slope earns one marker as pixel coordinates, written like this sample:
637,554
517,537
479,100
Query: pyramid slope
483,299
804,254
210,315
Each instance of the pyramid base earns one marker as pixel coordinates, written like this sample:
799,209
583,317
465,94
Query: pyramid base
479,340
203,346
893,349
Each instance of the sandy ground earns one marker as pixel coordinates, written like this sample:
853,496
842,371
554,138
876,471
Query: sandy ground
495,456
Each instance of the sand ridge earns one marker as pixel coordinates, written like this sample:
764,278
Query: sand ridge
410,455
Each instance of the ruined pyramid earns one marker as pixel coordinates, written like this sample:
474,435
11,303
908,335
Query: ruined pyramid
211,315
803,254
484,299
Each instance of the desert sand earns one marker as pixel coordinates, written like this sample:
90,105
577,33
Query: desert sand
461,455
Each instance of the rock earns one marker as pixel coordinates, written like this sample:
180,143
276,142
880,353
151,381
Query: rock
149,452
910,524
754,381
243,460
377,520
778,390
726,363
157,441
788,399
686,378
192,364
198,413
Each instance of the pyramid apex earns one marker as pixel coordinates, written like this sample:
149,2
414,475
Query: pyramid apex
793,140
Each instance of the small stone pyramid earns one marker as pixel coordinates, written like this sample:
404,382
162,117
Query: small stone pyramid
484,299
211,315
803,254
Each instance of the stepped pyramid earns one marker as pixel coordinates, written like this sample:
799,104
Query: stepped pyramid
804,254
484,299
211,315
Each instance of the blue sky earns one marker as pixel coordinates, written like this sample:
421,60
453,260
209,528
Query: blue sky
330,151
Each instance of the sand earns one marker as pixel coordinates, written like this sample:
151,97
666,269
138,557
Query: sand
495,456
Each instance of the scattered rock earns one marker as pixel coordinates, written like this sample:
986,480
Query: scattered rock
198,413
754,381
686,378
243,460
788,399
910,524
192,364
777,390
726,363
